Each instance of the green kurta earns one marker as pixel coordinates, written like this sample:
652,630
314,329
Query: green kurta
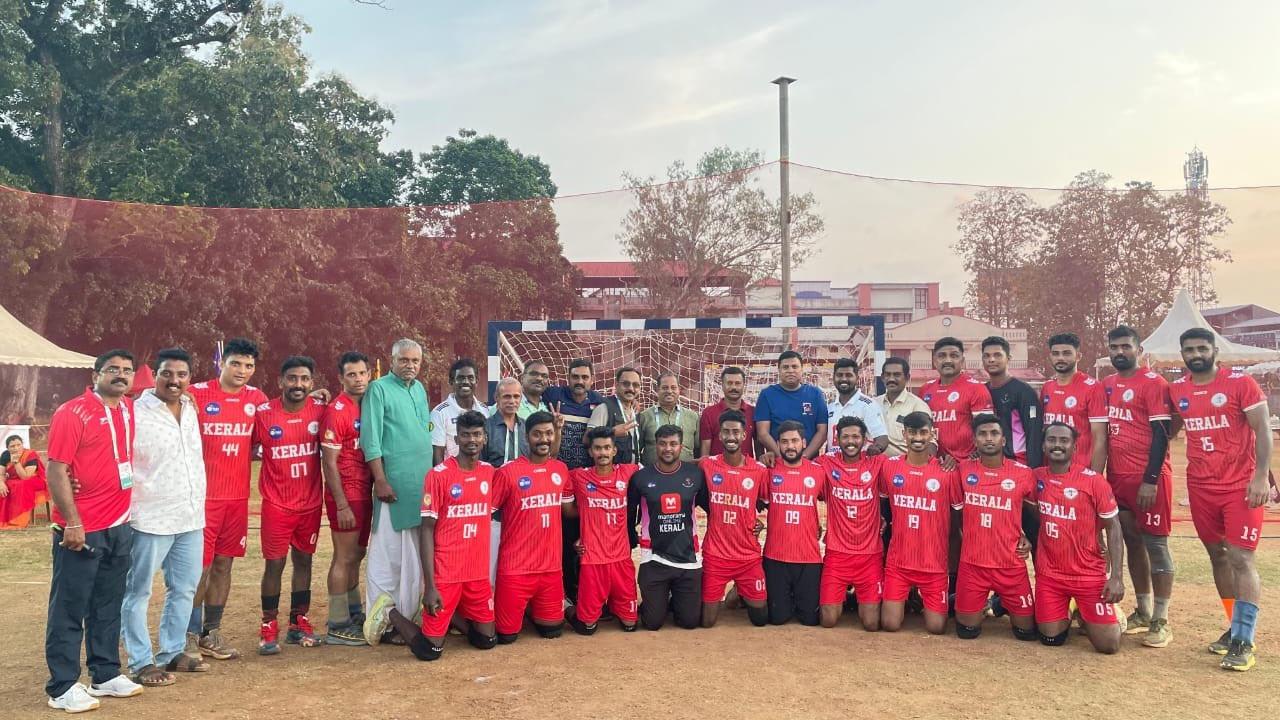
395,422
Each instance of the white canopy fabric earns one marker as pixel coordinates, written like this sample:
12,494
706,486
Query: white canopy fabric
1264,368
1162,349
23,346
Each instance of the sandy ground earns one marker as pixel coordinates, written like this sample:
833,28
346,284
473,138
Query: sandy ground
733,670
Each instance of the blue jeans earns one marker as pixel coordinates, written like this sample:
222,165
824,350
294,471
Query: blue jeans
180,557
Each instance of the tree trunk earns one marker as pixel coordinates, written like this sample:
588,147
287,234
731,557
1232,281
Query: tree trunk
18,401
53,150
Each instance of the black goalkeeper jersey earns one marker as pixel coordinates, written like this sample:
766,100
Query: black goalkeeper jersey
661,505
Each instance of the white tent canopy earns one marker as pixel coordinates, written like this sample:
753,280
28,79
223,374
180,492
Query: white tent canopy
23,346
1162,349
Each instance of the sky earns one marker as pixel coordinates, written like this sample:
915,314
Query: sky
979,92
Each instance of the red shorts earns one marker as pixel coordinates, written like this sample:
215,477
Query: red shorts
513,593
363,510
1155,520
932,586
283,529
614,583
864,572
1223,514
473,598
746,575
226,528
1011,585
1054,596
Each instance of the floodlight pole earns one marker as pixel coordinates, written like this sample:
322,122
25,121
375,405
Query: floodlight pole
784,179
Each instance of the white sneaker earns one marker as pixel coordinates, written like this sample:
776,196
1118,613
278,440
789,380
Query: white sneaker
376,621
118,686
75,700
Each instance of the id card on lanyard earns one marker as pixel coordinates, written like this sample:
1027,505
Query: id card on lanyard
124,467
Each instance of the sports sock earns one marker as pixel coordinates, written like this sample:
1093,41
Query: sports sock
197,620
213,617
355,603
339,613
270,607
1144,603
1160,610
299,604
1244,622
1228,604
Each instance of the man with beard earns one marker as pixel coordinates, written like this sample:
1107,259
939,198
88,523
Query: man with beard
993,490
660,500
444,417
1016,404
619,413
533,382
855,550
733,382
348,500
852,402
736,486
1140,418
792,557
897,402
575,404
1076,399
528,492
288,431
1228,454
1076,507
954,399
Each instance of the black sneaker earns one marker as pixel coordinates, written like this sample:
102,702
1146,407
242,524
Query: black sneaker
350,634
580,627
1221,645
1239,657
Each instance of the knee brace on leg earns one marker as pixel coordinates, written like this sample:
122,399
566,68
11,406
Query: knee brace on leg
504,639
967,632
1158,550
759,616
549,632
1021,634
1055,640
422,648
478,639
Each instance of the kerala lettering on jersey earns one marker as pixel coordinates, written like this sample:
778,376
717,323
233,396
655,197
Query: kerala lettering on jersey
1220,441
921,498
853,504
733,494
602,512
991,520
1072,508
1078,404
792,520
460,503
1133,403
290,475
529,495
226,431
953,406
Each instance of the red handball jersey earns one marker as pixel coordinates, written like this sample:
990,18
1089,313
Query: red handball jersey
602,512
1219,440
1133,403
953,409
793,512
1078,403
290,476
992,519
80,436
1072,507
921,499
460,503
340,430
853,504
226,431
529,497
733,495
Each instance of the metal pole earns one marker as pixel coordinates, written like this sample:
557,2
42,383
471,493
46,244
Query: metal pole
784,178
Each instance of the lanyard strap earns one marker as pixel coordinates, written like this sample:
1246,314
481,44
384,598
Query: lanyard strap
111,425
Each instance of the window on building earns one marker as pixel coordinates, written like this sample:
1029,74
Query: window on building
922,298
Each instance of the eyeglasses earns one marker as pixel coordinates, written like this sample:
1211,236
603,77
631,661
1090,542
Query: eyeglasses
114,370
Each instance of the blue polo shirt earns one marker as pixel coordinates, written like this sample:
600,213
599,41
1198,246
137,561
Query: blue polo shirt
806,405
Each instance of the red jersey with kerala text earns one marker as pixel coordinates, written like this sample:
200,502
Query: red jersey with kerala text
793,512
1133,403
1072,508
226,433
1078,404
733,494
1220,449
460,502
340,430
991,521
529,496
853,504
602,512
921,498
953,407
290,475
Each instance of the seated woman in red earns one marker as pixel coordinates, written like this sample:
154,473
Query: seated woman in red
23,486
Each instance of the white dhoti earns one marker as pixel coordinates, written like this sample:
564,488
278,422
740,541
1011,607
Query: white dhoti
495,536
394,566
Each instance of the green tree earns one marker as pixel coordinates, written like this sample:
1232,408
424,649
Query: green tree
710,231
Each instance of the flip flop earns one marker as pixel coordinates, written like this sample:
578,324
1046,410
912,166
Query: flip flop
152,676
186,663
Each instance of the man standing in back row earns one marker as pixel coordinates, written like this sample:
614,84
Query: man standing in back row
790,399
954,399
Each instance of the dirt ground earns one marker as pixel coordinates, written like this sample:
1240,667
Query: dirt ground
732,670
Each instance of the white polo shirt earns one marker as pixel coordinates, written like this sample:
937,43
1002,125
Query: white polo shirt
444,423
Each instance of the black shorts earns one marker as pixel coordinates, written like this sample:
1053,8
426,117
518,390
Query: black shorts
664,588
793,590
